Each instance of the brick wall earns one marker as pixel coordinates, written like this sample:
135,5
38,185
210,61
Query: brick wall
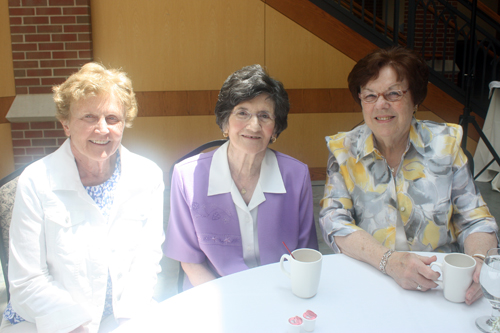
51,39
34,140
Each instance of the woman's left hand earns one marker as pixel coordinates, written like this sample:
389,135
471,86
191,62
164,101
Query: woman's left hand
474,292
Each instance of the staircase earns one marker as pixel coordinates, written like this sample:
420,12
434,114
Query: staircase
439,30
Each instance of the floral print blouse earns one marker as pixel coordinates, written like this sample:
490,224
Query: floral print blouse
433,190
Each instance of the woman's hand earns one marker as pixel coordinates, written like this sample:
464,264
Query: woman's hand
474,292
411,270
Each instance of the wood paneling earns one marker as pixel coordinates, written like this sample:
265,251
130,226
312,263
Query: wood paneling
7,160
7,85
300,59
5,103
171,45
199,103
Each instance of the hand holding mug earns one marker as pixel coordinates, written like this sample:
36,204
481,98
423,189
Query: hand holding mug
457,269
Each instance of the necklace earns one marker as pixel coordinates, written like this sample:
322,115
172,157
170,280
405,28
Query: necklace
243,191
392,169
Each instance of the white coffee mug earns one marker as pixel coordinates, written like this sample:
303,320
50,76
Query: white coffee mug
305,271
457,270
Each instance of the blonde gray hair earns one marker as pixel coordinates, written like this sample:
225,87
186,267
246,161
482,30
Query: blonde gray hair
91,80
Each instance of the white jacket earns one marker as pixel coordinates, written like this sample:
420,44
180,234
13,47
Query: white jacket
61,247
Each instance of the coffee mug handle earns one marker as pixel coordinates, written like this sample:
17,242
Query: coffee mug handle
438,282
283,257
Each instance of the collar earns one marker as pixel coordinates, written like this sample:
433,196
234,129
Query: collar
220,180
368,145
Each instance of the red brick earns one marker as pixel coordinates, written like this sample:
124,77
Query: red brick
37,38
83,2
85,54
36,20
17,134
64,37
19,73
76,11
76,63
49,28
79,46
65,55
60,141
21,90
77,28
39,72
50,150
51,46
19,126
27,82
40,90
64,71
14,3
33,134
62,19
84,37
23,29
18,56
43,125
25,64
48,11
43,142
33,3
24,47
21,143
53,81
61,2
37,55
19,151
52,63
54,134
59,125
23,159
15,20
17,38
21,11
35,151
83,19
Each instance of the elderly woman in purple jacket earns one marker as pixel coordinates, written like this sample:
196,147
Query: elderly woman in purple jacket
232,208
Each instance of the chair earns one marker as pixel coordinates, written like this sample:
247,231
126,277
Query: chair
8,186
193,152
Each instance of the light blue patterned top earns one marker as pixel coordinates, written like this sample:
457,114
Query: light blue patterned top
103,196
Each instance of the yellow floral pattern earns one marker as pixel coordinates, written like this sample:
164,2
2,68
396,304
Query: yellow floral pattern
433,190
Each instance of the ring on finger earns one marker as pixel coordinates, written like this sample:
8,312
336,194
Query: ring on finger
419,287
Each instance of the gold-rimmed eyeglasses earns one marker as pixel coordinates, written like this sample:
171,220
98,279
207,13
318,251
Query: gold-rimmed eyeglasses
390,96
264,117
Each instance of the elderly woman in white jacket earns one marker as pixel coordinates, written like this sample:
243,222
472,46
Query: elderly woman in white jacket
87,225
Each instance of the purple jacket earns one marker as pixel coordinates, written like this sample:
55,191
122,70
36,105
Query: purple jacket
205,227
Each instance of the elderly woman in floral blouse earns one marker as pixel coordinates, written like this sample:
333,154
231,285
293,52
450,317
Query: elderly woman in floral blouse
397,184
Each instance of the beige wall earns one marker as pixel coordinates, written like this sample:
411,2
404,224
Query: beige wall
169,45
7,87
7,157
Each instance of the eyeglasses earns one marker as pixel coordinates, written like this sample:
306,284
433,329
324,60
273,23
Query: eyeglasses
390,96
264,117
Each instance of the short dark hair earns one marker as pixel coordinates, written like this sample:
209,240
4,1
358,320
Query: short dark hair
246,84
408,65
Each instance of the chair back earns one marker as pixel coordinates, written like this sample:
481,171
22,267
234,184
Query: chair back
8,186
193,152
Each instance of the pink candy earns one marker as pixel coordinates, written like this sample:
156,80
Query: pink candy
309,315
295,320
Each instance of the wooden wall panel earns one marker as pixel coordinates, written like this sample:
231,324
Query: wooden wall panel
7,160
300,59
169,45
7,85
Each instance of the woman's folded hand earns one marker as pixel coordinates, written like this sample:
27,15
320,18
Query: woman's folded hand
410,270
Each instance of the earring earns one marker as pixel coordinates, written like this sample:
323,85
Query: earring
224,134
415,109
273,139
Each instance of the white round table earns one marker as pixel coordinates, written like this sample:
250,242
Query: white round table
352,297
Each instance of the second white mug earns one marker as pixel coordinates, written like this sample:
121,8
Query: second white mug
457,270
305,271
